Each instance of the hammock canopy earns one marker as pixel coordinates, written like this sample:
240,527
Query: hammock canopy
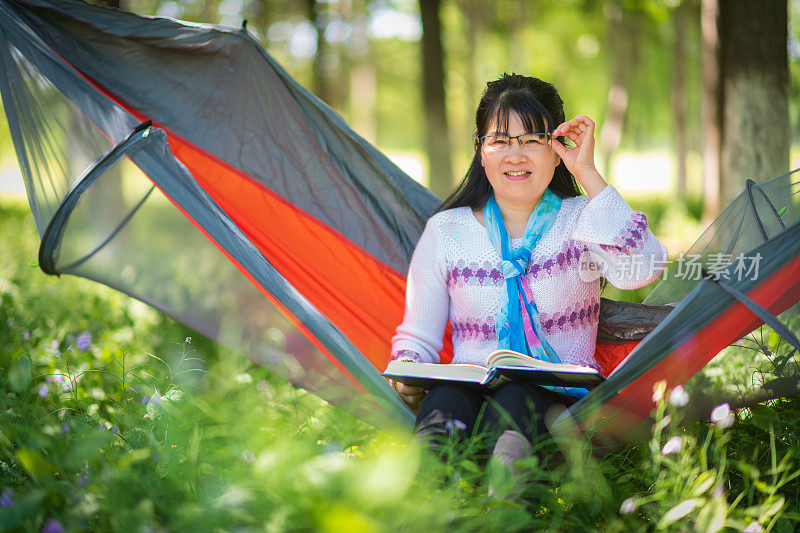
180,164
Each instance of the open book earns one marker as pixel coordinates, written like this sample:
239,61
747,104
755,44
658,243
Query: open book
502,365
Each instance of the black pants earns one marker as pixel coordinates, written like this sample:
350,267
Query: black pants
514,405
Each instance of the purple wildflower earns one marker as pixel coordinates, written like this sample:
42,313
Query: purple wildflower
58,377
26,335
145,399
7,498
115,430
453,425
67,386
82,479
43,390
54,346
84,341
53,526
64,427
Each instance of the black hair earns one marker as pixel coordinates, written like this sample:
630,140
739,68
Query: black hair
540,108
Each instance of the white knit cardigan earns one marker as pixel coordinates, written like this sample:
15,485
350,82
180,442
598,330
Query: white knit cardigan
455,274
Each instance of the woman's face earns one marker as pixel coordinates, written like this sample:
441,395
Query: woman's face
518,174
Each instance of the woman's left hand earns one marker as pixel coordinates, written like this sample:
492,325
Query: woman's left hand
579,159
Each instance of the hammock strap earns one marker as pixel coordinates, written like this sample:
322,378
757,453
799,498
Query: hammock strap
761,312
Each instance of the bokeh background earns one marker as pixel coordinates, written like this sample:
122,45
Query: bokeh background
691,97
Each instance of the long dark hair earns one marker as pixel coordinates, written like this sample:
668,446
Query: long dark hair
540,108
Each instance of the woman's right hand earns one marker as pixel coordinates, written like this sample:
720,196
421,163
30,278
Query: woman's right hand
412,396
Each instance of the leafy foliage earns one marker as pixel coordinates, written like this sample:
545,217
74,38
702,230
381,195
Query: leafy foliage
113,417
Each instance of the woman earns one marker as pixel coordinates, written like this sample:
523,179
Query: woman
505,260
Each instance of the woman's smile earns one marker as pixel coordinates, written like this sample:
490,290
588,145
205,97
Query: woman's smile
517,174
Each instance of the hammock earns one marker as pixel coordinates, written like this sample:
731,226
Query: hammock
216,189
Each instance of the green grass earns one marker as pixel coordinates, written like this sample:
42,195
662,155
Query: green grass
153,427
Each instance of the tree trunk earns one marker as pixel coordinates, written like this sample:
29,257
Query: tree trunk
679,95
519,55
363,99
701,406
474,22
437,139
320,82
754,73
623,42
711,110
363,91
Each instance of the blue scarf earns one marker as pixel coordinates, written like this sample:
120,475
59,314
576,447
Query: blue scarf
517,322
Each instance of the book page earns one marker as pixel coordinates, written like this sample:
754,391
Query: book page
510,358
462,372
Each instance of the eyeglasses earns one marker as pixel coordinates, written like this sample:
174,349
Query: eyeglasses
532,142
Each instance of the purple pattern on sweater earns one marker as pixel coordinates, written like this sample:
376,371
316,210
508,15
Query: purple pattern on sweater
581,315
567,258
407,354
471,328
631,239
474,273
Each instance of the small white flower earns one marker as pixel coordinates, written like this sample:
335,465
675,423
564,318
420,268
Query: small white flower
753,527
673,445
678,397
680,510
722,416
658,390
172,394
628,506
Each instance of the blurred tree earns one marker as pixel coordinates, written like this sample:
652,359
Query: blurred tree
623,32
323,55
363,75
433,75
521,14
679,21
475,14
749,99
711,110
754,73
